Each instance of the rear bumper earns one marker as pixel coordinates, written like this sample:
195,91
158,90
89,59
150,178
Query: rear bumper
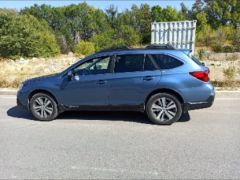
199,105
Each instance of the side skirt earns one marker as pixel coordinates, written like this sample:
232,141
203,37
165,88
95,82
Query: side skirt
138,108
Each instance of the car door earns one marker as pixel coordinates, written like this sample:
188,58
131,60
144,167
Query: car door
130,84
88,86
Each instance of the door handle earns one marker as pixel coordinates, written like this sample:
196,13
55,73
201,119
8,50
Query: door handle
147,78
101,82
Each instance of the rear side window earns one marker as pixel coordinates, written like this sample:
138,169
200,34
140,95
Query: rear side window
161,61
129,63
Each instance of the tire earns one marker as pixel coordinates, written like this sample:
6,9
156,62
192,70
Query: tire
162,114
43,107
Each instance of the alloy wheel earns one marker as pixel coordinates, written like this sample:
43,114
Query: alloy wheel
43,107
164,109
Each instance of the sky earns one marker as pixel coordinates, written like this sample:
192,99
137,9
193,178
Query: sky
101,4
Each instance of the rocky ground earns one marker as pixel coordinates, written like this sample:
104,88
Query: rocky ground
217,62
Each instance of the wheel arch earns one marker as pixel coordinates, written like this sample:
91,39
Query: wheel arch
165,90
41,91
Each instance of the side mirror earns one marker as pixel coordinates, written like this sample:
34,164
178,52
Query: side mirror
70,75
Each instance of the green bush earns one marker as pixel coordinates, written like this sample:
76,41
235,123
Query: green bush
24,35
204,36
226,84
223,48
124,36
84,48
201,54
230,73
129,35
235,38
222,40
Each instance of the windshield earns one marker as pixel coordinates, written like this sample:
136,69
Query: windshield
64,72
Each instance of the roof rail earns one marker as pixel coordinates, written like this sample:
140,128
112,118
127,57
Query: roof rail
160,46
186,51
115,48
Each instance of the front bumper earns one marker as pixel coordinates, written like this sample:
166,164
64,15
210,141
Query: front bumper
22,100
20,105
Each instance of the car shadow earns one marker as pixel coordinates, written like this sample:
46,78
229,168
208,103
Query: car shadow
93,115
105,116
17,112
185,117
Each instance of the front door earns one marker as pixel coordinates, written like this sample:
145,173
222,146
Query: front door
88,86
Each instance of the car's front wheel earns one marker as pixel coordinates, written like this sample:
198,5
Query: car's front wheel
163,108
43,107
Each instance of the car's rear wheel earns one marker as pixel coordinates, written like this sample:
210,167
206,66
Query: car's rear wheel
43,107
163,109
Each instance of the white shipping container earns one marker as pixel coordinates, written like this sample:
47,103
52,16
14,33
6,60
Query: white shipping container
180,34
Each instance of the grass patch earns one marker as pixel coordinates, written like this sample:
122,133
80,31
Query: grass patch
226,84
12,73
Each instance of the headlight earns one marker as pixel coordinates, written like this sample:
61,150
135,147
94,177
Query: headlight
21,86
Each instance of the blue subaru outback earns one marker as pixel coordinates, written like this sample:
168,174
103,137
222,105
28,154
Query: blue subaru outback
161,81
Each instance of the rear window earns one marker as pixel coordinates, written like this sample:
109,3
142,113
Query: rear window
161,61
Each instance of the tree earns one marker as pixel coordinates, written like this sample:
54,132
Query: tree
24,35
165,14
202,21
106,40
184,12
223,12
142,16
218,12
198,6
129,35
112,16
71,24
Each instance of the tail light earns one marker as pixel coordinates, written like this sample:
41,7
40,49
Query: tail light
201,75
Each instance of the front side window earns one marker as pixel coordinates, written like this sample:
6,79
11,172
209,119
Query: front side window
94,66
129,63
161,61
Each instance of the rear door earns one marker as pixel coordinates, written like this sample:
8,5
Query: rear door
130,83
